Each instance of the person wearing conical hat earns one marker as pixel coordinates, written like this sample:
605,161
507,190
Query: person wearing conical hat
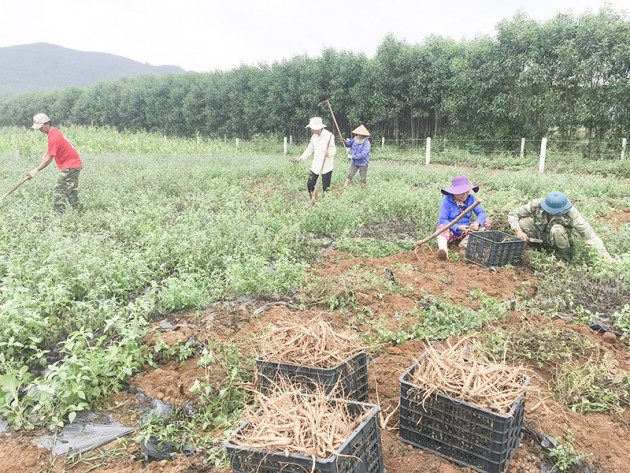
322,147
359,154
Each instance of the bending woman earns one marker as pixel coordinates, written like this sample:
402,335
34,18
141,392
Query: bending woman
458,198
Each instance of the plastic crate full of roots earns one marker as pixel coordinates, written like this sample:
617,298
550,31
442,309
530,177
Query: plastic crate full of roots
313,355
465,411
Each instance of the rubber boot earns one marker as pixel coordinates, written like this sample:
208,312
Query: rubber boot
564,254
464,243
442,248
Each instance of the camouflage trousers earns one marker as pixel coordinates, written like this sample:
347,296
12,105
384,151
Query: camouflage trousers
67,190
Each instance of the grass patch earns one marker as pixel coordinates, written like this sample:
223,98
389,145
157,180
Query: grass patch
339,292
532,345
438,320
591,387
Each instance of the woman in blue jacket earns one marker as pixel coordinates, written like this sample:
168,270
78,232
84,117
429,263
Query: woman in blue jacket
457,199
359,153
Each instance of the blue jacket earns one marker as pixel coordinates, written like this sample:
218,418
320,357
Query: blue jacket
360,153
449,212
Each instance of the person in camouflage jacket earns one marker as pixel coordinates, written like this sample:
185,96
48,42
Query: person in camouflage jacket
552,220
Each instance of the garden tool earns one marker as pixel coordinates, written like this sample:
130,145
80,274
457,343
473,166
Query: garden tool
343,142
14,188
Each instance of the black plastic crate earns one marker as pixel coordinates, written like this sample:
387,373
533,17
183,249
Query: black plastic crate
494,248
360,453
457,431
348,380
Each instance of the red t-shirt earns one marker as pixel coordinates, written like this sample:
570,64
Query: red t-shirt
64,153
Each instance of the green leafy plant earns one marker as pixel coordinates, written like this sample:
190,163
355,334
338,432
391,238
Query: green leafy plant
565,455
221,398
536,345
591,386
439,320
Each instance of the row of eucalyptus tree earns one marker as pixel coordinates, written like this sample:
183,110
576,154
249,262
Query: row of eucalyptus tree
569,75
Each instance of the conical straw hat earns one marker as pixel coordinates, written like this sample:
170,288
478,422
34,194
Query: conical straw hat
361,130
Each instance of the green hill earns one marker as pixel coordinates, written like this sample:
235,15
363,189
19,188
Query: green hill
44,67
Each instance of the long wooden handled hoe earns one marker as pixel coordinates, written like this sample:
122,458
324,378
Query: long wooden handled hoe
14,188
334,120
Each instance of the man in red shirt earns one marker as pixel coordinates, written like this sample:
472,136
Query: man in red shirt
67,160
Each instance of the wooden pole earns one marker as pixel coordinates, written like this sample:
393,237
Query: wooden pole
543,155
336,126
437,232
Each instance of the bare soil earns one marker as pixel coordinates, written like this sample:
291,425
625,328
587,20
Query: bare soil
606,436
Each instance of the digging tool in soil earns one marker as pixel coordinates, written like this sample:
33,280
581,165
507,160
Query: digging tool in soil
14,188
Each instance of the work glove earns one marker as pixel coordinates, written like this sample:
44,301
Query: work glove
31,174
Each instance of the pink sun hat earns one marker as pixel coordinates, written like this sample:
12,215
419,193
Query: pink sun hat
460,185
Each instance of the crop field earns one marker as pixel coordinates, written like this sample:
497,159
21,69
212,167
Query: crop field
186,251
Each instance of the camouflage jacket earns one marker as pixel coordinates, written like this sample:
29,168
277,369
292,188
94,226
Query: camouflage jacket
572,221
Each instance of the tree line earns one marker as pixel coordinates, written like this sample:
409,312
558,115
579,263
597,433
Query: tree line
568,77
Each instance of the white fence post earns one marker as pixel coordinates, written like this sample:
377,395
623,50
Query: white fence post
164,137
198,141
543,155
285,145
624,143
522,148
236,144
428,159
225,138
382,142
291,139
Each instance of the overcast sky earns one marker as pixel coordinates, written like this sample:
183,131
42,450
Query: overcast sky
209,35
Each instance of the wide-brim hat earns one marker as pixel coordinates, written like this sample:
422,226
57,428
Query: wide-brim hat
315,124
556,203
39,120
460,185
361,130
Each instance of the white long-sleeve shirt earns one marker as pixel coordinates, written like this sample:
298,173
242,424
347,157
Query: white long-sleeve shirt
318,146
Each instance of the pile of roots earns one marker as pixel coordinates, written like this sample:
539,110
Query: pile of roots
292,422
313,343
463,373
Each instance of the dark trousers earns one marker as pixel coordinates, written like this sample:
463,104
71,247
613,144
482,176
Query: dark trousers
312,180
